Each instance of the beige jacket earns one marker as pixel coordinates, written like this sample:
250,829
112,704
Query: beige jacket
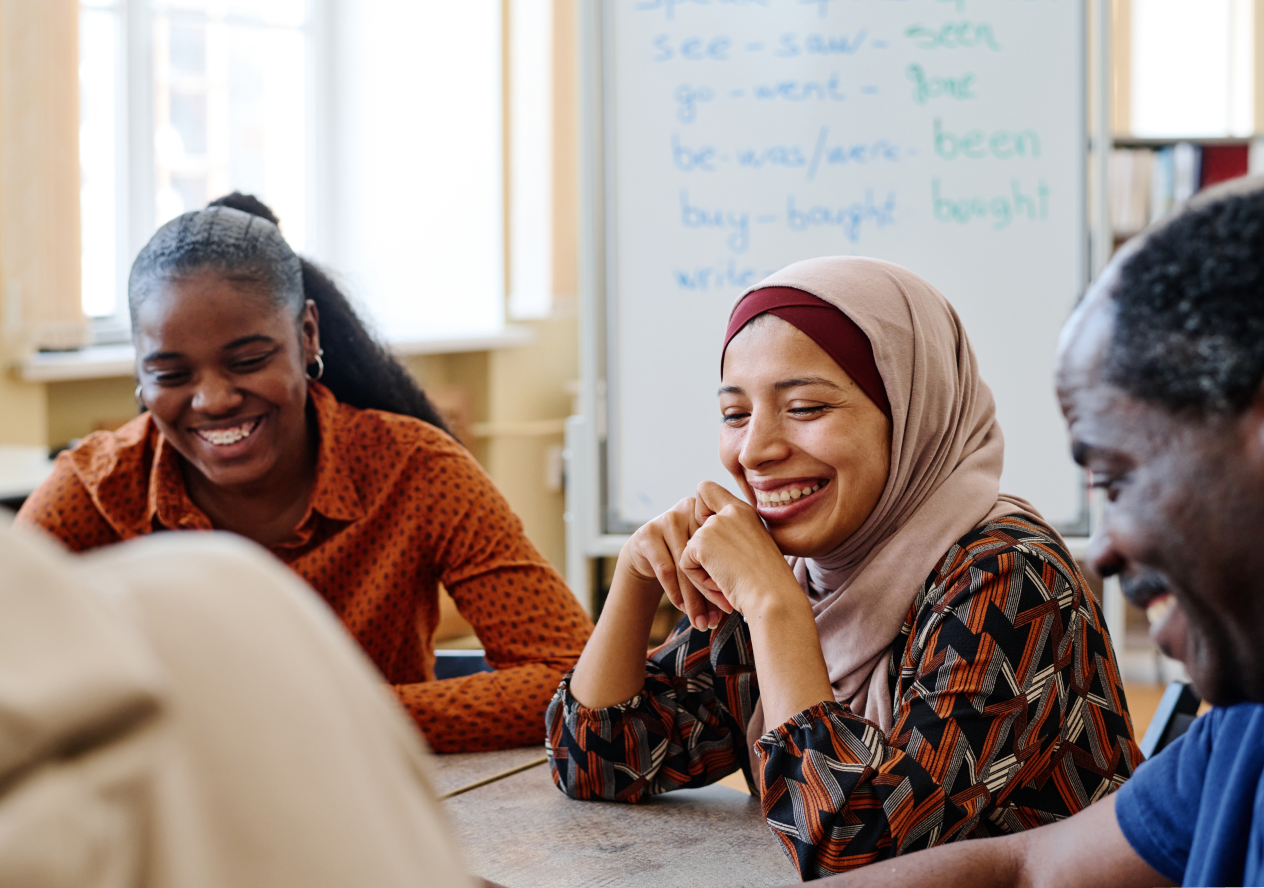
183,712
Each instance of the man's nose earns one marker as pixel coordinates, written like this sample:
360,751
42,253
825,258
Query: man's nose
1103,557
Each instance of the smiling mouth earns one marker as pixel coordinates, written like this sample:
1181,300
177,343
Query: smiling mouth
1160,608
231,435
787,494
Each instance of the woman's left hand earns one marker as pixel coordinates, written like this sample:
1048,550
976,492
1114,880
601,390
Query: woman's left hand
731,558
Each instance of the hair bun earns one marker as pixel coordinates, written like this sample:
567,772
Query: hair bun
247,203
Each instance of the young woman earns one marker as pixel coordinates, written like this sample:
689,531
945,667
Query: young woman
270,412
895,654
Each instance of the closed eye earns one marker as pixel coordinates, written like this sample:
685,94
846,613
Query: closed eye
246,365
172,377
1107,482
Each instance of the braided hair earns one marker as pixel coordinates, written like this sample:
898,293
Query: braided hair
238,237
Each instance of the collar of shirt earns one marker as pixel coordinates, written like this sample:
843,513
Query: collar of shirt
111,481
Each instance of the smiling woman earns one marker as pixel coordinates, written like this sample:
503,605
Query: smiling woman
894,653
355,484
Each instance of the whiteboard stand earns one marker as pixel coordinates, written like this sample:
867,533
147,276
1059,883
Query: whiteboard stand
585,432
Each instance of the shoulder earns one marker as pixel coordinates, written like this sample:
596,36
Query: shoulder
103,482
383,451
370,432
103,454
1233,728
995,552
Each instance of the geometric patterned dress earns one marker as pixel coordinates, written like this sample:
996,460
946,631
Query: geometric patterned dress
1008,713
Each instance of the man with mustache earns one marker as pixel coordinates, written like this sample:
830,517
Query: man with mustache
1160,373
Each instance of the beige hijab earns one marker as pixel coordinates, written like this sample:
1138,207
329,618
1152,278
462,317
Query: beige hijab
946,457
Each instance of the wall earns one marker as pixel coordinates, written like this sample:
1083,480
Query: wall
39,198
528,387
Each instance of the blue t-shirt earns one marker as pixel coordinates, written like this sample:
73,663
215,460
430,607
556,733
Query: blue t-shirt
1195,812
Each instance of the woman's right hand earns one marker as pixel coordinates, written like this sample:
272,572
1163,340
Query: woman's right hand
651,558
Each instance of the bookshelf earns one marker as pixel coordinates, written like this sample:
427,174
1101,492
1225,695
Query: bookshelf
1148,178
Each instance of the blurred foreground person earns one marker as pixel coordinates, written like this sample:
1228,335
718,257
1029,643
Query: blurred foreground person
1161,379
182,711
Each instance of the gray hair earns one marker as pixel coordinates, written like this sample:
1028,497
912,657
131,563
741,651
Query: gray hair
241,247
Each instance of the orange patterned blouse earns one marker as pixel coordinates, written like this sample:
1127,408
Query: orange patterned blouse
397,508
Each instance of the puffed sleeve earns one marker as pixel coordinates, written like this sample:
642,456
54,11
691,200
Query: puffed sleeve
1011,716
63,508
686,728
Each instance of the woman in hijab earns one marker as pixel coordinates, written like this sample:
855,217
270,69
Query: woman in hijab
894,653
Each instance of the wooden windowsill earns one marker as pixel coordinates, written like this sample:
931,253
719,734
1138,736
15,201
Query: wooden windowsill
111,361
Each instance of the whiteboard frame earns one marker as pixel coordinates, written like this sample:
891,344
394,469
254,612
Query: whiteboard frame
589,531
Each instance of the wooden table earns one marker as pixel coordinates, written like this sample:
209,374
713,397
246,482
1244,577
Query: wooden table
456,774
518,830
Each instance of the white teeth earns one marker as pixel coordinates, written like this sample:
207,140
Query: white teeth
779,497
224,437
1159,608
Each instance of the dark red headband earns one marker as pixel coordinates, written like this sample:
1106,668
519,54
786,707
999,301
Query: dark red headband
826,325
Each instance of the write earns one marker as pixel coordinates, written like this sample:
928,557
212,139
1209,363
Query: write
977,145
930,87
953,35
1002,209
725,274
850,219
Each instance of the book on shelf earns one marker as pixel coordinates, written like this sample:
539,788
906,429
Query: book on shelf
1148,182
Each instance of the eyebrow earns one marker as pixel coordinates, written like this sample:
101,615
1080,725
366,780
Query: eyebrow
248,340
236,343
796,382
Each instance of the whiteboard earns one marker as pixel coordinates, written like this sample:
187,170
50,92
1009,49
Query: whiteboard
739,136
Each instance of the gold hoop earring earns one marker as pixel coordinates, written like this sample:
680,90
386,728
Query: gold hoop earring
320,367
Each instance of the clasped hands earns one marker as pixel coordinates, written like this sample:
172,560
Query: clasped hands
712,555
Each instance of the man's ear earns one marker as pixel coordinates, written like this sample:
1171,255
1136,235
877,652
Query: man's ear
1252,425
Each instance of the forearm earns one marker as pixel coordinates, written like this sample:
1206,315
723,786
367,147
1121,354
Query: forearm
612,667
488,710
979,863
788,659
1087,851
686,728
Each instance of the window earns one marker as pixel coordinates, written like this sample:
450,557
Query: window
371,127
182,101
1192,68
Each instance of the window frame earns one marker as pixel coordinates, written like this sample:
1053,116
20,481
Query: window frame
135,211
